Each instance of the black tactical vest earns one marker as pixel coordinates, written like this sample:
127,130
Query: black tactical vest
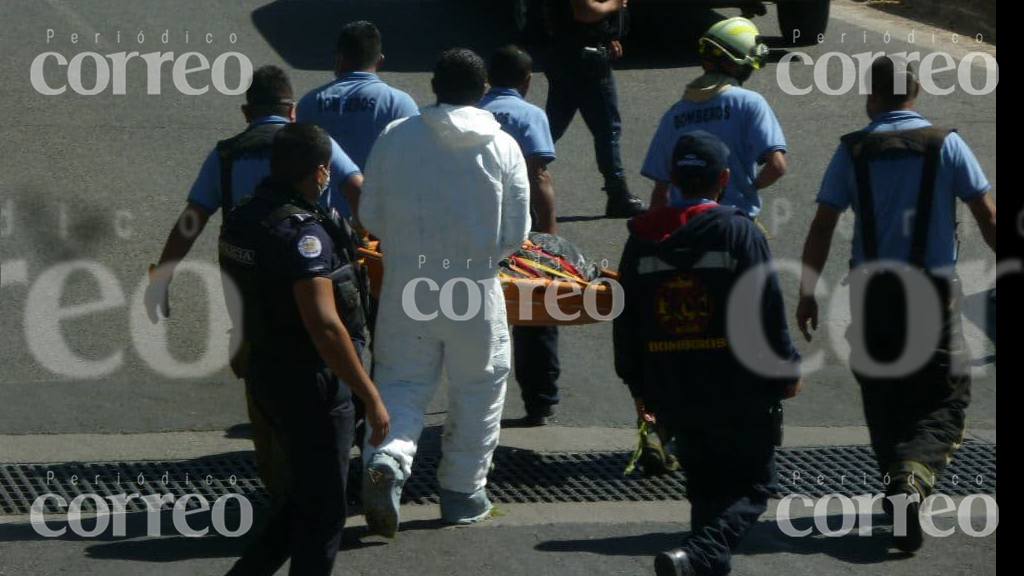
254,142
263,325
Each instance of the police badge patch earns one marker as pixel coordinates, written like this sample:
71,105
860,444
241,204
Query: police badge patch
310,247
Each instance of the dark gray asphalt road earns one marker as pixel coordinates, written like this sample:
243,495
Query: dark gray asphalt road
101,178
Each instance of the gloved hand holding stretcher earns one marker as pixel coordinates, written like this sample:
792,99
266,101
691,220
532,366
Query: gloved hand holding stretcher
544,263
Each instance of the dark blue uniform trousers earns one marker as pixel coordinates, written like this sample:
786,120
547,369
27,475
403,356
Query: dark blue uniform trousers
730,475
588,86
312,413
535,352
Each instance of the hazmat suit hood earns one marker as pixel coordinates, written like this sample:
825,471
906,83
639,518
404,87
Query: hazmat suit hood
445,186
460,126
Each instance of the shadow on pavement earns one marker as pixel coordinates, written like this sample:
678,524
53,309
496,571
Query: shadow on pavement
169,546
241,431
765,538
562,219
415,33
640,545
177,548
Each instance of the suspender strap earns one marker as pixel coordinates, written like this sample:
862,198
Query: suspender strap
925,201
868,224
864,147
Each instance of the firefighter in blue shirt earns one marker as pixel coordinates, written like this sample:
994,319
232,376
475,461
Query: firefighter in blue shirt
717,103
302,306
902,177
357,105
535,348
230,173
685,274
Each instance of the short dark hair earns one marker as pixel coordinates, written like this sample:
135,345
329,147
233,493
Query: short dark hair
359,43
894,81
297,151
270,92
460,77
510,65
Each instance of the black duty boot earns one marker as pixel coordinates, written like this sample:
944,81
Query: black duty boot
673,562
534,418
912,540
621,204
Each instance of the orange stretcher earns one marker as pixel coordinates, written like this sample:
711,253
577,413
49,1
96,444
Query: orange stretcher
569,295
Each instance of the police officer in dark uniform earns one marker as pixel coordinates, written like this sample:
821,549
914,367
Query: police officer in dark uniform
584,39
230,173
690,274
902,176
302,305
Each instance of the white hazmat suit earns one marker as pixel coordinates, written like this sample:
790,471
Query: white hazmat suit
447,193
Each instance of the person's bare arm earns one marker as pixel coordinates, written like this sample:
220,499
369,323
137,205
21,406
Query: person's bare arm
659,195
793,389
351,190
542,194
315,299
189,226
590,11
179,242
775,167
983,209
816,248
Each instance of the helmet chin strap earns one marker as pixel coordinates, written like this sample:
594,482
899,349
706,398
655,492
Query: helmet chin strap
743,74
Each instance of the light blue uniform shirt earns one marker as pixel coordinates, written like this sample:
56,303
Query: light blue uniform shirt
895,184
746,124
523,121
354,109
246,173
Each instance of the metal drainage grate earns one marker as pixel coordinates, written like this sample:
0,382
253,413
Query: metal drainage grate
519,476
525,476
211,477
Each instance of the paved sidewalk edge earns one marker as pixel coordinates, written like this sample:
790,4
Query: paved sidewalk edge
53,448
573,513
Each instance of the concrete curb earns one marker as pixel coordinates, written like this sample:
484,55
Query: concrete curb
543,514
971,16
53,448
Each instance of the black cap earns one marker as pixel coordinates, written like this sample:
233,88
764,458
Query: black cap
699,159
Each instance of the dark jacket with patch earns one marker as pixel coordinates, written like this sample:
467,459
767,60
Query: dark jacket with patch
268,243
674,343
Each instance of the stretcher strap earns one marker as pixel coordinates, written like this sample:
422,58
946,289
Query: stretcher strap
560,261
524,262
